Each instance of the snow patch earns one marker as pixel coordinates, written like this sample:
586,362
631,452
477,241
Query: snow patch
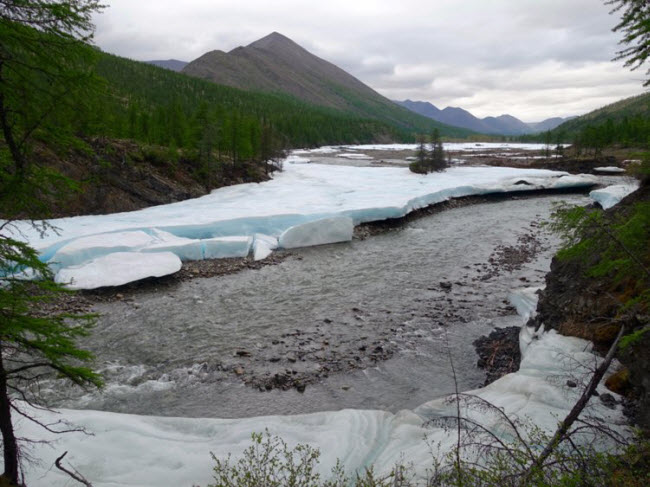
525,301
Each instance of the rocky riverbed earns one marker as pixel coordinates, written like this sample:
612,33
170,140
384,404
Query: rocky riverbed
368,324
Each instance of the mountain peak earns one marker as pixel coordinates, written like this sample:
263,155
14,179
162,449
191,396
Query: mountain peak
273,40
277,64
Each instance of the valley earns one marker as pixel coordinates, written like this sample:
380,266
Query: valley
240,263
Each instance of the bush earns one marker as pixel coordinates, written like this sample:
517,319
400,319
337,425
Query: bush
269,462
418,168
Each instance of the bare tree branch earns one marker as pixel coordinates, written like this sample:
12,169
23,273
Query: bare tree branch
74,473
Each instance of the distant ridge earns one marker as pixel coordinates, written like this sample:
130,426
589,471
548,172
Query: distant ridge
634,106
277,64
172,64
503,124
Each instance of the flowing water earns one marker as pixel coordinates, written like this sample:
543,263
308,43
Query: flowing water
389,311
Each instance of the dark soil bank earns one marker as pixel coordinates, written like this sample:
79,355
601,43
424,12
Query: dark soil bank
499,353
590,308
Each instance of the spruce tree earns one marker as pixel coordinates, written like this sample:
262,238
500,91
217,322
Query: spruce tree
436,157
44,60
420,165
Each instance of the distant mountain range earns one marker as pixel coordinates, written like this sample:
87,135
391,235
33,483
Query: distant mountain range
276,64
173,64
503,124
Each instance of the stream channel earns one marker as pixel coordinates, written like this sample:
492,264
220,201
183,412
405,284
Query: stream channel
369,324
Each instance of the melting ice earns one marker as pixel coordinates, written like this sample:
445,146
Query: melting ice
307,204
153,451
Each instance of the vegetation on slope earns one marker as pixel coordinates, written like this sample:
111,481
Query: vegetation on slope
625,123
127,117
154,105
276,64
600,282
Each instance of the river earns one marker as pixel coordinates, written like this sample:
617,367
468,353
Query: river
370,324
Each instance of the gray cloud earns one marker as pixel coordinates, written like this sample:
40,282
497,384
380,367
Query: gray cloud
530,58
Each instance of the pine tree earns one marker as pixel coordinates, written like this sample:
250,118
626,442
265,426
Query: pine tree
43,61
436,158
420,165
635,25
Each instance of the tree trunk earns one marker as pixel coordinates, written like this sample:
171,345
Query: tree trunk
9,444
16,154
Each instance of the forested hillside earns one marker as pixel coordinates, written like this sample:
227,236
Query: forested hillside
179,128
626,123
154,105
276,64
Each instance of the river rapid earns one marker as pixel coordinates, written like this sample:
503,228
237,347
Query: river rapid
370,324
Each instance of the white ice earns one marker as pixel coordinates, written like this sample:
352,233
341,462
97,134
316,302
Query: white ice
612,195
347,155
224,247
145,451
455,146
263,246
525,301
223,223
318,232
610,169
118,268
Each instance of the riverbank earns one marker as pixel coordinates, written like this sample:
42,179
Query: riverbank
346,321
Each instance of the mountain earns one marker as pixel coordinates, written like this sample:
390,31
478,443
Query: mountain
628,108
276,64
458,117
508,125
172,64
424,108
155,105
549,123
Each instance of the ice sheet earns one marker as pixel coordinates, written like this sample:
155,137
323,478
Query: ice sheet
610,169
455,146
612,195
263,245
354,156
128,450
525,300
319,232
117,269
303,193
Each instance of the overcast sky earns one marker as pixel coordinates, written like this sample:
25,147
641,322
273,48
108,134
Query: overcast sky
530,58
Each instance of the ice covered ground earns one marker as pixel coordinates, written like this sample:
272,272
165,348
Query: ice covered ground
128,450
612,195
307,204
449,146
610,169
